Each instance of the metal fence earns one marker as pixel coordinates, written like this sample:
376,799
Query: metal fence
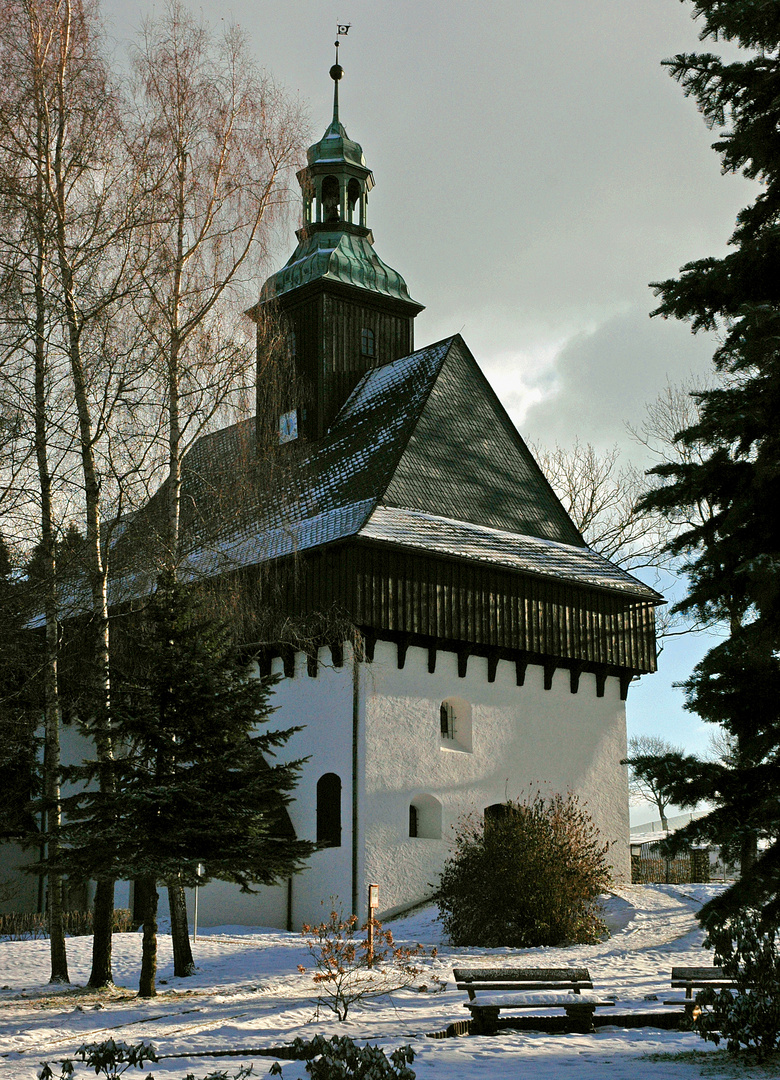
648,866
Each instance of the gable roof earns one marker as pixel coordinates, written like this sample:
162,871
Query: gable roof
421,456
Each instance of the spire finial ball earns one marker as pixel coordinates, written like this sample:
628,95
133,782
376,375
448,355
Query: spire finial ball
336,72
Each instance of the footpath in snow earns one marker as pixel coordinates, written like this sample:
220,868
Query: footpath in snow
247,994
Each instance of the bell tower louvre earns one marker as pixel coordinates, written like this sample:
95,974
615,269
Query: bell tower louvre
343,310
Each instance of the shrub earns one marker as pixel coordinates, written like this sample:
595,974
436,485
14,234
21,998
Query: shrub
109,1058
114,1058
339,1057
22,926
527,876
346,971
750,1018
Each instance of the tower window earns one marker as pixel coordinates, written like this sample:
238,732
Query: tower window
414,826
353,194
367,342
455,725
329,810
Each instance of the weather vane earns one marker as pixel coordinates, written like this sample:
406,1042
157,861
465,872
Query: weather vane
342,29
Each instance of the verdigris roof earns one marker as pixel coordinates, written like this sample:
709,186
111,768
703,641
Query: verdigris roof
422,456
335,147
337,256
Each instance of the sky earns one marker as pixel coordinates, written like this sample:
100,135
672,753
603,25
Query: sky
536,168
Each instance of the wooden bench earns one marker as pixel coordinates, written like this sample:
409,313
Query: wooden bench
697,978
532,988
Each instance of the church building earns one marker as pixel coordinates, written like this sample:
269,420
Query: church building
444,638
468,647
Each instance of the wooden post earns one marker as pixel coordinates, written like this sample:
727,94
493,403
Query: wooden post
373,904
201,870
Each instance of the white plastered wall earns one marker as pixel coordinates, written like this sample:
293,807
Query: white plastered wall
522,738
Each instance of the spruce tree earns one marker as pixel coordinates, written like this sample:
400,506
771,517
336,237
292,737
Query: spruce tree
731,497
19,710
194,780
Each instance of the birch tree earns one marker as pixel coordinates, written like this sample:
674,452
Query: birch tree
215,144
62,132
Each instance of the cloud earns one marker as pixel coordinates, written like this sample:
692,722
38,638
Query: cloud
604,379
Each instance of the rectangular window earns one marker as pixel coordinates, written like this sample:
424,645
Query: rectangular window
447,719
367,344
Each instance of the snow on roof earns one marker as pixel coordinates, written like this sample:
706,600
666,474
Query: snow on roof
334,489
443,536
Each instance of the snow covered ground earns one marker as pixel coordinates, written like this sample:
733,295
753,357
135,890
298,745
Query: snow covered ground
247,994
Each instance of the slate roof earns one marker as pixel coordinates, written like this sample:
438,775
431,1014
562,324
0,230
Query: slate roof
421,456
532,555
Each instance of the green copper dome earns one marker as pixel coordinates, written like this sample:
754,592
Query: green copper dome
335,243
337,256
335,147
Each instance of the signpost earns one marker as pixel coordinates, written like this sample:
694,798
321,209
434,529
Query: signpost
373,904
200,872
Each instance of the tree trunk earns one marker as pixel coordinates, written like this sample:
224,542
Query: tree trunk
748,853
146,986
51,751
183,963
96,571
140,899
103,926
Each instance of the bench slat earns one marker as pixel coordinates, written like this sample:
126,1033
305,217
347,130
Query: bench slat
535,974
547,985
697,973
532,1001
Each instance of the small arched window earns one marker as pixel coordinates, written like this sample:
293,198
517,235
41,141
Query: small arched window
447,720
329,810
455,724
499,813
367,343
425,818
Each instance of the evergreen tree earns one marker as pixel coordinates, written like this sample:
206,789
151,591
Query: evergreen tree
732,493
193,780
19,707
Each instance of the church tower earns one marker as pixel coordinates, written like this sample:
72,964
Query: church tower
344,310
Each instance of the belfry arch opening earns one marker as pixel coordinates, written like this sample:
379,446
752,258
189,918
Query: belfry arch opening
355,212
330,194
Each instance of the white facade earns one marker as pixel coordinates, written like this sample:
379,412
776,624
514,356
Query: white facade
379,729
